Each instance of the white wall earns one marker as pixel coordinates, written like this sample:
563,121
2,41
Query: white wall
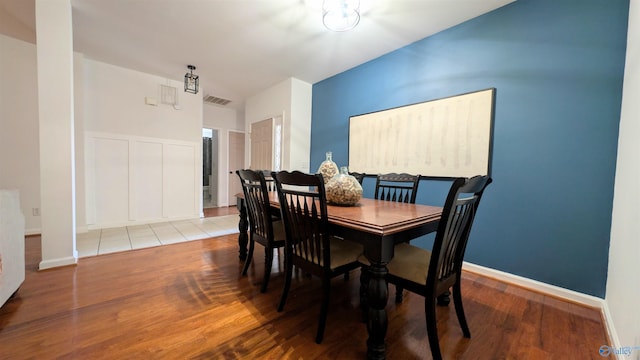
109,100
115,103
19,146
623,287
290,99
223,120
143,162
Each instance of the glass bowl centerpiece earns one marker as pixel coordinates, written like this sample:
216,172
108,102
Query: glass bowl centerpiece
343,189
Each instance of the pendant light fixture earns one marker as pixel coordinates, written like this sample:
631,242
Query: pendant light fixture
340,15
191,81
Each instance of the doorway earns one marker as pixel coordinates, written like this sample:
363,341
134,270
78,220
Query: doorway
236,162
209,168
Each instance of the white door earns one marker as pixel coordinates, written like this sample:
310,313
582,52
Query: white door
262,145
236,162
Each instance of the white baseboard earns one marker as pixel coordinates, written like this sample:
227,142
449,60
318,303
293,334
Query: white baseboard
556,291
545,288
48,264
142,222
79,229
613,334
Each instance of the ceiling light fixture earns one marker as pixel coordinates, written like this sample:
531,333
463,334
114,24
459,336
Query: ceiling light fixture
340,15
191,81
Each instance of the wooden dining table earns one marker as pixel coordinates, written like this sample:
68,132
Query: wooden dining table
378,225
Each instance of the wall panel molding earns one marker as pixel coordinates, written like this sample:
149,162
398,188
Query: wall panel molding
136,180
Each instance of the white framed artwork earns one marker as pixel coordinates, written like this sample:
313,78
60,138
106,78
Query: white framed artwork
449,137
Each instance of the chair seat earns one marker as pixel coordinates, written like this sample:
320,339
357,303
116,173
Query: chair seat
344,252
409,262
279,235
278,231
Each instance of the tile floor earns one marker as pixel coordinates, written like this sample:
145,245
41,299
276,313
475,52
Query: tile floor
104,241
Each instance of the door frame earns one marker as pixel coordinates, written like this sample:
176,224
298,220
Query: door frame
242,164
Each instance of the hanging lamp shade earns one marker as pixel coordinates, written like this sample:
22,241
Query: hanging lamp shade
340,15
191,81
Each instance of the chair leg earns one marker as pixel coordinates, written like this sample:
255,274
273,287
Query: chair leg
268,262
457,301
287,282
247,261
364,288
399,294
326,287
432,329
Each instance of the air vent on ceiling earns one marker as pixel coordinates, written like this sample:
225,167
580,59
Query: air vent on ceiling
216,100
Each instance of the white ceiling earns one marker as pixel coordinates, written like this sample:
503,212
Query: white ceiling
241,47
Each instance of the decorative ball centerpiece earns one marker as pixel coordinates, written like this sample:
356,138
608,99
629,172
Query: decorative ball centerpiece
328,169
343,189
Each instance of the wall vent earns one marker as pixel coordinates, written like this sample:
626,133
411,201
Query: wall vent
216,100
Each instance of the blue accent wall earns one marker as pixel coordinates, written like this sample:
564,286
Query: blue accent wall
557,66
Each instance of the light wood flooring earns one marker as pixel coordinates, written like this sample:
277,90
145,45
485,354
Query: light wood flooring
189,301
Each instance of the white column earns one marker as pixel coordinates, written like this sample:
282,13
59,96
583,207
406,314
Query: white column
55,102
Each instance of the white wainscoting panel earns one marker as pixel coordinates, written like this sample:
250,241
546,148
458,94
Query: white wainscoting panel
111,157
180,180
147,181
134,180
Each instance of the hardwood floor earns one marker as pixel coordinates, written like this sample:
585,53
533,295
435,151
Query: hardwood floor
220,211
188,301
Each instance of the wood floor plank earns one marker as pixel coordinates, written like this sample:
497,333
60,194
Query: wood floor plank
189,301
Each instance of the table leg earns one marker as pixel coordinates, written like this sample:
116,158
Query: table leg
377,295
444,299
243,226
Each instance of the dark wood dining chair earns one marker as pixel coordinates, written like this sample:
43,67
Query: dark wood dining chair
263,229
400,188
309,246
432,273
397,187
271,185
359,176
